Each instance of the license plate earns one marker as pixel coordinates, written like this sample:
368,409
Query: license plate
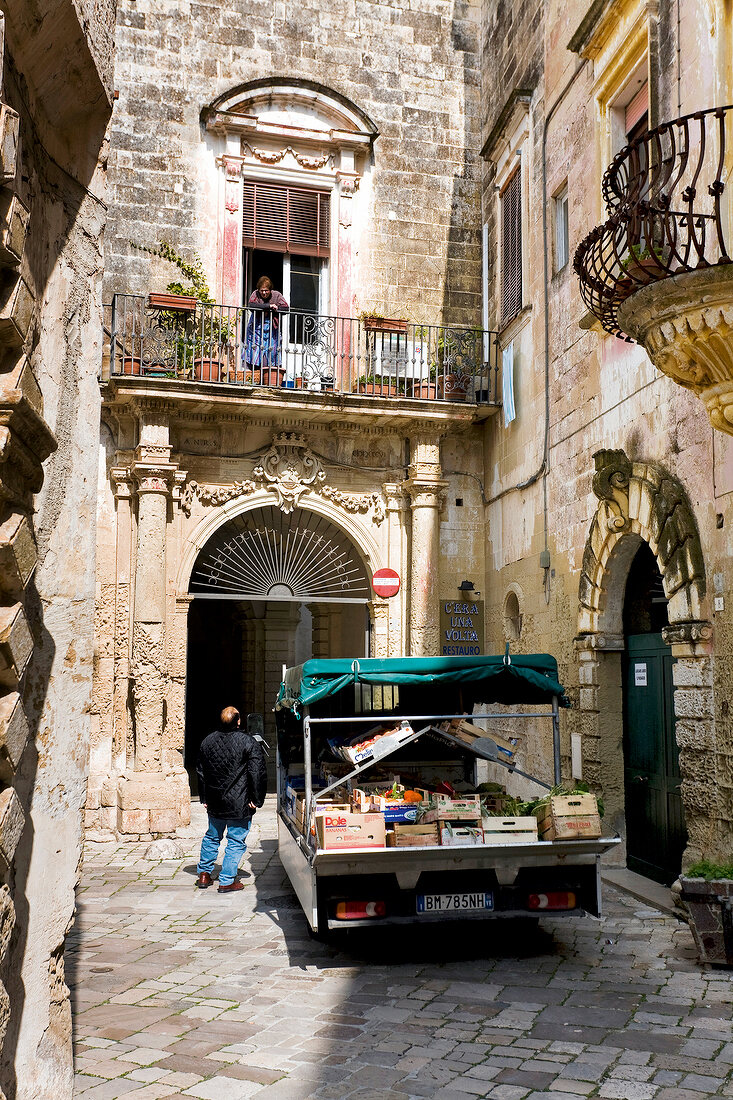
454,903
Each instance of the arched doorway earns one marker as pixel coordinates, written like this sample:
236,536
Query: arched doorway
655,830
270,588
642,505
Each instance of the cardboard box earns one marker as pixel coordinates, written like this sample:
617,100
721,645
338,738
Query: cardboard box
454,809
414,836
377,743
569,817
460,836
339,829
322,803
509,830
395,810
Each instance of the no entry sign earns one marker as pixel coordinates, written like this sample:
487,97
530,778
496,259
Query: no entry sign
386,582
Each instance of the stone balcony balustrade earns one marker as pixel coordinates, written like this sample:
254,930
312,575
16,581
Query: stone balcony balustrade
658,271
371,365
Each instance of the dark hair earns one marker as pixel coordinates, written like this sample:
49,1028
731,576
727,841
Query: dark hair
229,718
264,281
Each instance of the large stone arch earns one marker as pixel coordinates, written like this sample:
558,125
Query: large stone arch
642,502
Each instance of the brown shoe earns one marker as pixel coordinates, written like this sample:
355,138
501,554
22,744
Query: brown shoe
231,887
203,880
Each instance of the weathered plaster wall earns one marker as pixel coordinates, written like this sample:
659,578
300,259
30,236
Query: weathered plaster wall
413,71
50,355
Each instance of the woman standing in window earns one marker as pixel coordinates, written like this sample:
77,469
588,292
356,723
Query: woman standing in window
262,345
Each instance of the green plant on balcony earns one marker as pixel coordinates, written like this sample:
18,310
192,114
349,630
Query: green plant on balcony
203,343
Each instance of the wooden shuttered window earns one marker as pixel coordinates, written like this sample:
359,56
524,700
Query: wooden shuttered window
279,218
511,248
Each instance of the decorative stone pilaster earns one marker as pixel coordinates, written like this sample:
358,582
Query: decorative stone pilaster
426,490
231,232
686,325
705,764
153,797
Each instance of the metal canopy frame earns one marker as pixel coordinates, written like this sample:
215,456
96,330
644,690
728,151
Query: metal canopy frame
484,748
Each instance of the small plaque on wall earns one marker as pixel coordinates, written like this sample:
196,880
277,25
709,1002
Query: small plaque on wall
461,628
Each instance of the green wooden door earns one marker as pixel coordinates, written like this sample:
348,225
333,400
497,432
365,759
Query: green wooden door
655,825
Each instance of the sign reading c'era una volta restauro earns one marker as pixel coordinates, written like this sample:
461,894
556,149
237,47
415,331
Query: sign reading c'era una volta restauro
461,628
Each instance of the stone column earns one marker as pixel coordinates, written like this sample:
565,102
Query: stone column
426,489
398,557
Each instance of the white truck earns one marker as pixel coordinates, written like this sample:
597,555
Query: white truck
368,886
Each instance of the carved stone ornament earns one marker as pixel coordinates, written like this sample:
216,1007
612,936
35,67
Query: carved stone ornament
685,323
290,470
611,484
274,156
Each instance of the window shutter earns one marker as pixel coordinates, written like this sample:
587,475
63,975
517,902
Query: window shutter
279,218
511,248
637,108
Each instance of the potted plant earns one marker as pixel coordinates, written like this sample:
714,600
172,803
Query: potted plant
376,322
379,386
645,262
707,895
201,336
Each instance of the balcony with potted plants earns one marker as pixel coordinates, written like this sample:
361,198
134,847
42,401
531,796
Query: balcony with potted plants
205,353
659,270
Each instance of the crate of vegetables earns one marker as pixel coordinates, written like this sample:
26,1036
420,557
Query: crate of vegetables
509,830
467,808
569,817
398,806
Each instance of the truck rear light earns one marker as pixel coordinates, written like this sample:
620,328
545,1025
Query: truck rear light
556,899
359,910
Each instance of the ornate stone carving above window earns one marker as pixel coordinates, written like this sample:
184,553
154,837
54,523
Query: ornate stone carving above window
290,470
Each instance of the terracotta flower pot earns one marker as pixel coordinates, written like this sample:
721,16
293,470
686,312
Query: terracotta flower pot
131,364
455,387
428,391
207,369
271,376
377,389
183,303
384,324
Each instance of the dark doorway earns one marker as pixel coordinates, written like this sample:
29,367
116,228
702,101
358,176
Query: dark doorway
214,676
654,819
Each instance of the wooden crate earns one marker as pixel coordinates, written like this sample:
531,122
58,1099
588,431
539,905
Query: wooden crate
414,836
509,830
569,817
467,808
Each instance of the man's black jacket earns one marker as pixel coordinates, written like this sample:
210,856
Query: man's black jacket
232,773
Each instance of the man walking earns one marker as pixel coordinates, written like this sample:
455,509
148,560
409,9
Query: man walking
232,784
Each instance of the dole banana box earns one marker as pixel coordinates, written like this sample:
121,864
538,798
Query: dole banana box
337,829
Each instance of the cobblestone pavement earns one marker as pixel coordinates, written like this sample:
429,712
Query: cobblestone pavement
179,992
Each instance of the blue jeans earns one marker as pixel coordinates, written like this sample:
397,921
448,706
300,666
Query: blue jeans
236,830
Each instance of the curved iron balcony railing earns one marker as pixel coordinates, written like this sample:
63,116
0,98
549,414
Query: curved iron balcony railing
670,199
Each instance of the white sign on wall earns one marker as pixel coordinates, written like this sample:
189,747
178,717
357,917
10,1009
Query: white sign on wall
640,675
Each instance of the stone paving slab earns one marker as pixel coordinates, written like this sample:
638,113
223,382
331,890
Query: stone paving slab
179,993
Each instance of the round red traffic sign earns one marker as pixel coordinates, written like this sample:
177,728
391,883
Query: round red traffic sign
386,582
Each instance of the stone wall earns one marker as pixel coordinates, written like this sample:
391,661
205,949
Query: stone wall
412,70
53,115
604,394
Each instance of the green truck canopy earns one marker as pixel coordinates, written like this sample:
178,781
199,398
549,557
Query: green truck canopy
530,678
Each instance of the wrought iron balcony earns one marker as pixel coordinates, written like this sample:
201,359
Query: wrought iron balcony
253,348
668,198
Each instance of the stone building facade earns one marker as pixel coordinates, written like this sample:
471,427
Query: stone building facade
365,113
608,462
55,102
460,149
